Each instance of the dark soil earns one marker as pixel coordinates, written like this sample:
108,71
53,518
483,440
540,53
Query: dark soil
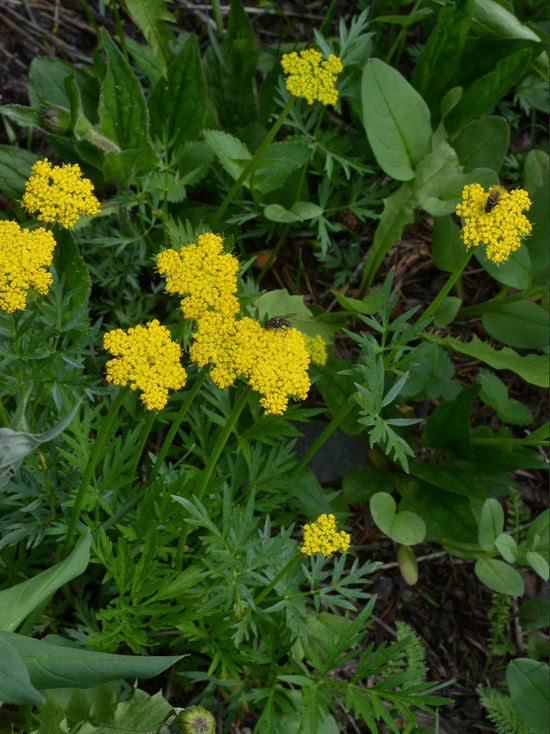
448,606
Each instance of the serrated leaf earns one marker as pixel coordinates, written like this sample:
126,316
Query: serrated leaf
228,150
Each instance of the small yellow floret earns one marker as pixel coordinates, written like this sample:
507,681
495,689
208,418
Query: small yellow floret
311,77
204,274
24,256
59,193
502,227
317,348
145,358
321,536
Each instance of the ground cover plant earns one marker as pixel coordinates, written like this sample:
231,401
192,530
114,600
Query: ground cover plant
219,237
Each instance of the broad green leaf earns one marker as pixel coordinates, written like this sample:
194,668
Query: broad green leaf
19,601
15,445
450,478
494,393
538,564
355,305
535,170
69,264
528,682
534,614
483,143
47,81
443,50
447,245
430,373
139,714
532,368
278,162
122,109
243,52
300,212
507,547
58,666
396,120
537,242
337,390
408,564
229,150
499,576
491,523
521,324
360,484
177,104
15,683
128,165
487,90
451,187
448,427
151,16
405,527
24,116
538,535
448,309
15,169
515,272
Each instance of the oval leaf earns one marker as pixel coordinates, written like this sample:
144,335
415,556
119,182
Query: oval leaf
491,523
15,683
499,576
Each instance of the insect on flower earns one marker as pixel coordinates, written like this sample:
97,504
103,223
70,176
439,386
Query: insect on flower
492,201
276,322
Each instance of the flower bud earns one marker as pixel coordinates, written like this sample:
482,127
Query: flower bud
56,119
195,720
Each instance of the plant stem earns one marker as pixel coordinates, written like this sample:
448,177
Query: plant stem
261,596
100,440
176,423
211,464
451,280
322,437
252,163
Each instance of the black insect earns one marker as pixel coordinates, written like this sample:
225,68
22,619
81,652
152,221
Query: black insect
492,201
276,322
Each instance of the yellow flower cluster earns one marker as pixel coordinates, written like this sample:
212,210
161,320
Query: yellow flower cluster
494,218
311,77
321,536
274,362
147,359
59,193
24,256
204,274
317,348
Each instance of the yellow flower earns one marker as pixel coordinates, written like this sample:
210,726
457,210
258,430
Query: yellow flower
311,77
146,359
213,344
59,193
24,256
321,536
317,348
204,274
494,218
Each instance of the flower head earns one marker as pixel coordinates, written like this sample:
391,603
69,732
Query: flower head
204,274
145,358
311,77
24,256
321,536
195,720
59,193
317,348
213,343
494,218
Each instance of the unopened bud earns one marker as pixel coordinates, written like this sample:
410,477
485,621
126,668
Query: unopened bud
56,119
195,720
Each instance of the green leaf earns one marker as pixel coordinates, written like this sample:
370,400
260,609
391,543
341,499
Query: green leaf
527,681
499,576
15,169
128,165
279,161
430,373
538,564
139,714
487,91
443,50
494,393
177,104
59,666
448,427
534,614
491,523
300,212
515,272
47,81
507,547
405,527
19,601
229,150
151,16
538,535
24,116
408,565
450,477
396,120
69,264
483,143
537,242
15,683
532,368
122,109
535,170
447,310
447,245
521,324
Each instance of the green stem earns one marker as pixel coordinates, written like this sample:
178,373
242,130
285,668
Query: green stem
211,464
262,595
99,443
322,437
176,423
216,12
480,308
252,163
451,280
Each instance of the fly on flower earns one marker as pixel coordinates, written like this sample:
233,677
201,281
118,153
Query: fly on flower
492,201
276,322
